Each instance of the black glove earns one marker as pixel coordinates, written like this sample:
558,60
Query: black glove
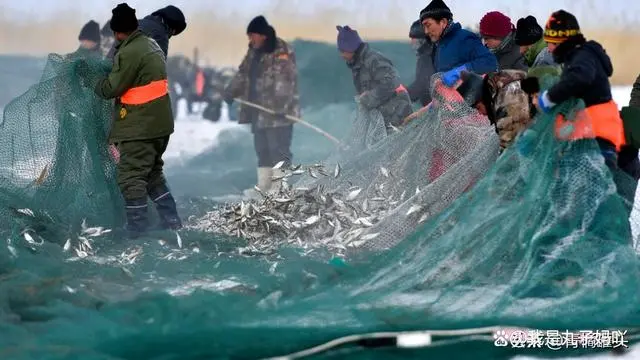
281,115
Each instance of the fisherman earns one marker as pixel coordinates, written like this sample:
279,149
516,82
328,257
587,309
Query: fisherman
89,38
499,96
498,34
161,25
532,45
587,68
212,94
267,77
178,70
143,122
456,49
419,90
375,78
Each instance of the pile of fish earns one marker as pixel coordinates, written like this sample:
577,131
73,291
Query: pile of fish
309,217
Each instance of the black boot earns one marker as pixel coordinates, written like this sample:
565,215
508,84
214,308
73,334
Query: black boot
166,207
137,217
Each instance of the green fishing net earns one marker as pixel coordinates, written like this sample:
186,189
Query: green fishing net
54,160
539,238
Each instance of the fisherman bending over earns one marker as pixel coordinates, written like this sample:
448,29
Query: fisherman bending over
375,78
267,77
142,124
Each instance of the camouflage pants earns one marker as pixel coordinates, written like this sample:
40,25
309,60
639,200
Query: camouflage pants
140,168
273,145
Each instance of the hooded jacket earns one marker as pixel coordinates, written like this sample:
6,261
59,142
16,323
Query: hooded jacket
586,72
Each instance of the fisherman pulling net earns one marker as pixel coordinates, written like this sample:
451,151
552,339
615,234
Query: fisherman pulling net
376,191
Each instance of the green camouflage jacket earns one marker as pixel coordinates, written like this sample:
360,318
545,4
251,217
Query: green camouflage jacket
276,86
376,80
138,61
511,112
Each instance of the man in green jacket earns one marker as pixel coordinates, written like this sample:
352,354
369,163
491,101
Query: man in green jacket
143,122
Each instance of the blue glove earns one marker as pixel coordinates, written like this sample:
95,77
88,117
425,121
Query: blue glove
450,77
544,103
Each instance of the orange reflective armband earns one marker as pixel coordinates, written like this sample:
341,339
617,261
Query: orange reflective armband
146,93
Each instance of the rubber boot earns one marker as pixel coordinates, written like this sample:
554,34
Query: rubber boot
166,208
264,178
276,184
137,217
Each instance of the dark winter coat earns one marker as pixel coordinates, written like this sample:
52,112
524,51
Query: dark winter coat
459,47
508,55
585,74
376,80
154,27
138,62
419,90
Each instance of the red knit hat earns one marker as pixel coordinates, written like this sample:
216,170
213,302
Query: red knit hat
496,24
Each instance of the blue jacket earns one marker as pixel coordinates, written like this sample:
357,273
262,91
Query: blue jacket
462,47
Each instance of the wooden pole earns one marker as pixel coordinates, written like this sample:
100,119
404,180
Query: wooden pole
292,118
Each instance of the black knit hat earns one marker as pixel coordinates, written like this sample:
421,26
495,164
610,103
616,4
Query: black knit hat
173,17
258,25
124,19
436,9
528,32
417,30
561,26
90,31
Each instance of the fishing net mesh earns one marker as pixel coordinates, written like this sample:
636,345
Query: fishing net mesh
414,173
53,158
537,237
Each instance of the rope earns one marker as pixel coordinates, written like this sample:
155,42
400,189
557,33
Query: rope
416,339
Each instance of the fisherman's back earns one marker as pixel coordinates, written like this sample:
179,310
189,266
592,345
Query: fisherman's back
143,111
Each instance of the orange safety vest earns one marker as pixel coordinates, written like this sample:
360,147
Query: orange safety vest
199,83
146,93
602,120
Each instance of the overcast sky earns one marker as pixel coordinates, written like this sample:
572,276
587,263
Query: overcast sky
589,12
